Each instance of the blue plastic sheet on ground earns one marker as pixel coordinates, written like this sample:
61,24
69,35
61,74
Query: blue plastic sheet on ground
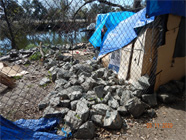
41,129
110,20
124,32
161,7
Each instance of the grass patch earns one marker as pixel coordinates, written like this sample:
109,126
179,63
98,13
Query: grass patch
77,116
17,77
26,65
45,85
35,56
49,75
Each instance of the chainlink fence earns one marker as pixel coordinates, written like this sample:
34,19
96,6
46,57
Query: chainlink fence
88,67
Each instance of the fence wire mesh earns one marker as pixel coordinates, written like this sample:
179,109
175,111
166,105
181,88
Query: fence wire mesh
82,69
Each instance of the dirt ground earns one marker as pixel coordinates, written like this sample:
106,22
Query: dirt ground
174,114
22,102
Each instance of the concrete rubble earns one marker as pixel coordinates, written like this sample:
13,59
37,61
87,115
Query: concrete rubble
95,97
87,95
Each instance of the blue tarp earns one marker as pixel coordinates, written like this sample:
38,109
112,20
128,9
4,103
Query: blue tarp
41,129
161,7
110,20
124,32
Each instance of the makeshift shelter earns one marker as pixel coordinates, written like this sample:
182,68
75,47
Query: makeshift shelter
133,51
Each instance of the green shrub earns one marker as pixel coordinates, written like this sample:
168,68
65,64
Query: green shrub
35,56
30,46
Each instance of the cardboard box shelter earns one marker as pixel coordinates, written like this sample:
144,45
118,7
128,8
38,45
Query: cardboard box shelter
143,56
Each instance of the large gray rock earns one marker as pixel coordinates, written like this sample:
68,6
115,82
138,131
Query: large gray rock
100,109
44,81
107,97
72,120
91,96
74,81
75,95
60,83
126,95
53,72
144,81
135,107
108,89
113,103
98,119
150,99
82,67
65,103
64,93
122,110
101,82
45,102
55,101
64,74
167,97
88,84
86,74
82,110
67,66
85,131
172,87
67,85
100,72
180,85
73,105
107,74
50,63
99,90
51,112
119,91
81,79
112,120
138,93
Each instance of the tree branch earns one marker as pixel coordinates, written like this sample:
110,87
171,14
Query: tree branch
101,1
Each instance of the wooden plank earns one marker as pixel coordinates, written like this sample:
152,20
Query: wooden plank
5,80
105,60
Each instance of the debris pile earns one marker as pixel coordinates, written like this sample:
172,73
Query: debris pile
87,94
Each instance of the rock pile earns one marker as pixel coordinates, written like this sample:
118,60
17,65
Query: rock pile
87,94
19,56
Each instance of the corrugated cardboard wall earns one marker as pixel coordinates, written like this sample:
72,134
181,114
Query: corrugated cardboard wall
167,67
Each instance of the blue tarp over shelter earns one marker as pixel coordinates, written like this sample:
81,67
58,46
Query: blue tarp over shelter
110,20
161,7
41,129
122,34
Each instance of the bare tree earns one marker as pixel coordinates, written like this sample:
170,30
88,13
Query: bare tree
13,43
136,5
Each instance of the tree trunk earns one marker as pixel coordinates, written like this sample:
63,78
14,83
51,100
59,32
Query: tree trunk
13,43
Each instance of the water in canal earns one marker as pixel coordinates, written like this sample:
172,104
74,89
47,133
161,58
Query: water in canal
48,38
